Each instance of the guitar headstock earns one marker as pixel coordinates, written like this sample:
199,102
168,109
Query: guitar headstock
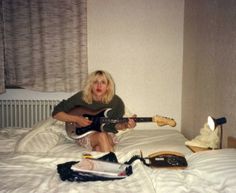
162,121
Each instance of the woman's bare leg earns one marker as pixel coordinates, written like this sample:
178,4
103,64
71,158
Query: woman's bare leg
101,141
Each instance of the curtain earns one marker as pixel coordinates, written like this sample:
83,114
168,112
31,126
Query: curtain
44,44
2,80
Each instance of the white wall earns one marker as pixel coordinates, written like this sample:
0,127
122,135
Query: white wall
140,42
209,70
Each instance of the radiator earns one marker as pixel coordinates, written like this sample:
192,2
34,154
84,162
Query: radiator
24,113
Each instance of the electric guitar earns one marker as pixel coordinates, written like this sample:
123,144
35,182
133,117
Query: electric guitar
99,118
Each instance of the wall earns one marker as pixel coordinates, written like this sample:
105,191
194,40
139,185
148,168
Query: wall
209,71
140,42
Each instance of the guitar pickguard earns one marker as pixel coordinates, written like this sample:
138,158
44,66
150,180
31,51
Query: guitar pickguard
75,131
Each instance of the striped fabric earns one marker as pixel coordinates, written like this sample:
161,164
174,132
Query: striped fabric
43,136
44,44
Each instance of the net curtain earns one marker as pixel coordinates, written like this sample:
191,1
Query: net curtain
43,44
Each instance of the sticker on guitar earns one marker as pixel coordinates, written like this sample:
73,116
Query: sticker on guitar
99,118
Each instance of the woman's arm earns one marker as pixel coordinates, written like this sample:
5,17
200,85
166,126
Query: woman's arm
62,116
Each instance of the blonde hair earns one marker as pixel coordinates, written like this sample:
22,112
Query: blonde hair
87,91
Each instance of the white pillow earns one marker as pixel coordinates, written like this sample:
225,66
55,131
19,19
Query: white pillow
43,136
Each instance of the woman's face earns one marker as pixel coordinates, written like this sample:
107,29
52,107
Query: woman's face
99,88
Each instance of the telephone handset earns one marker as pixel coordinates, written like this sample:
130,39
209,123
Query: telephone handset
167,159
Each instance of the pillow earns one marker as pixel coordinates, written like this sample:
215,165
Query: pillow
43,136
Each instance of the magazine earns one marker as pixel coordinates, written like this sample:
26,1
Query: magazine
101,168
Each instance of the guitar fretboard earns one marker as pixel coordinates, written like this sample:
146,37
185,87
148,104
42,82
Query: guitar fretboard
122,120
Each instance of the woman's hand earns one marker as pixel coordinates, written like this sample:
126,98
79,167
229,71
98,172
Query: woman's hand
131,123
127,125
82,122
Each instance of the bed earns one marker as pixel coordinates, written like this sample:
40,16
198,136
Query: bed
29,159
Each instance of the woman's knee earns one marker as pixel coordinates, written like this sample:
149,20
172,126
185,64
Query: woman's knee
104,137
99,138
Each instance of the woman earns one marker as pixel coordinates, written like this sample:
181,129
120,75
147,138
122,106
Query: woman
98,93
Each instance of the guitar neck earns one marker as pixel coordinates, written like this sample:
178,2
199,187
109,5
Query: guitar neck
123,120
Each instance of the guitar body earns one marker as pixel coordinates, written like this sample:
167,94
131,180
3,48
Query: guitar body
99,118
75,131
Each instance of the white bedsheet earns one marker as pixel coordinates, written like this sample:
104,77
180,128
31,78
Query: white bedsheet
26,173
207,172
147,141
151,141
9,138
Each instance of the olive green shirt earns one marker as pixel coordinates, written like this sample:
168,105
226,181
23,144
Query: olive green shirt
116,105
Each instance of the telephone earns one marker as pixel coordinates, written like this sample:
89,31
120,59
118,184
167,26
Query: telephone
167,159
